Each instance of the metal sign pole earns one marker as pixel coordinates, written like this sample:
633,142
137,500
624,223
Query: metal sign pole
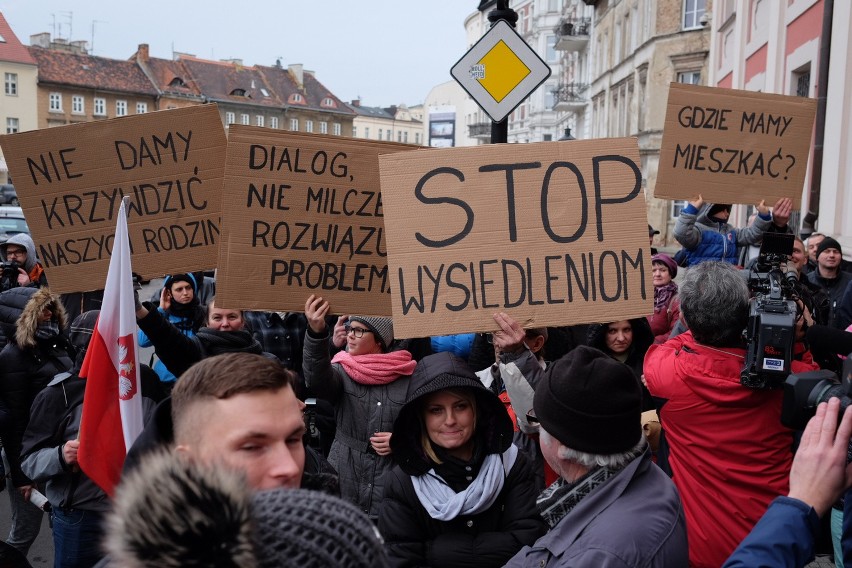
500,130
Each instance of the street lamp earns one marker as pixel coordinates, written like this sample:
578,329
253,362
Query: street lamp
567,135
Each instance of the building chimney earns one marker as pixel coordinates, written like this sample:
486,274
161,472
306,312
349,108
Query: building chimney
142,53
297,73
80,46
356,102
40,40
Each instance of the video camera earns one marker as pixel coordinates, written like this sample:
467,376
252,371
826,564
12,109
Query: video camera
772,317
8,275
804,391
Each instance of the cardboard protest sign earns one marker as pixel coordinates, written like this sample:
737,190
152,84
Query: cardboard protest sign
304,216
553,233
734,146
70,181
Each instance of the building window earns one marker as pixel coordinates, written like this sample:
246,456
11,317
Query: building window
120,108
692,12
12,84
380,133
677,207
354,131
417,138
141,108
802,82
399,136
244,119
389,134
550,53
77,104
336,129
230,118
258,120
295,98
294,124
405,137
366,132
55,102
689,77
100,106
309,126
323,127
328,102
12,125
273,122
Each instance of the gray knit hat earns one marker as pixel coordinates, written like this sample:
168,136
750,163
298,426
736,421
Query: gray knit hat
382,328
298,527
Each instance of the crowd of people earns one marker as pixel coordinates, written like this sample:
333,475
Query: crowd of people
317,438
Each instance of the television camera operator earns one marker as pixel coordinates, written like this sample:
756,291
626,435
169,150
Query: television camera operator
20,267
729,453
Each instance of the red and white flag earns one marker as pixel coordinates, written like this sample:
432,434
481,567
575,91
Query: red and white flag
112,406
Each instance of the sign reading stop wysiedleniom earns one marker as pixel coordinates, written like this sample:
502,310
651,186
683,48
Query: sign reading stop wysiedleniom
553,233
500,71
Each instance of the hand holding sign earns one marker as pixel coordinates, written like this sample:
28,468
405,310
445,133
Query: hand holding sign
315,310
781,212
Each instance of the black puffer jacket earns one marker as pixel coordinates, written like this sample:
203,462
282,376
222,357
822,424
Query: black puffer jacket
27,365
488,538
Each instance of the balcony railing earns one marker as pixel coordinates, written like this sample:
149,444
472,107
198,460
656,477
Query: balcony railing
480,130
573,34
570,96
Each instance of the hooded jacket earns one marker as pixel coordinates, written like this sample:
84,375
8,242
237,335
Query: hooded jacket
707,239
729,454
360,410
27,365
489,538
31,266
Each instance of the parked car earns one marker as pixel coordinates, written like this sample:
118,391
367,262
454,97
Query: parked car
12,222
8,195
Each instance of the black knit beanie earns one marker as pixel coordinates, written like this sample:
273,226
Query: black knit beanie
590,403
175,278
828,243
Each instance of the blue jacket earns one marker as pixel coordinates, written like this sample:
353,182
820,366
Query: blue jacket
706,239
784,537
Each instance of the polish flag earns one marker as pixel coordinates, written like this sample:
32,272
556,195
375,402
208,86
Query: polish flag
112,406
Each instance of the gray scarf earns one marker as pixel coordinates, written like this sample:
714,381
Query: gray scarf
444,504
561,497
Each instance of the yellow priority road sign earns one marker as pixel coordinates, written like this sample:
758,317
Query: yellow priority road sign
500,71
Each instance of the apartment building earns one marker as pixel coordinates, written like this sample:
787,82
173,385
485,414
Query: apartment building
392,124
18,112
777,47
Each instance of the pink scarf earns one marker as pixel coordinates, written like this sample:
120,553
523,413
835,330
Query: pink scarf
378,368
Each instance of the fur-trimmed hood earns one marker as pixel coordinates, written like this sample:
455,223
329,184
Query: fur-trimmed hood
25,332
171,513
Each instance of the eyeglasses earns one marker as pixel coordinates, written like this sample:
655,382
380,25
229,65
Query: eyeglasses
16,252
357,331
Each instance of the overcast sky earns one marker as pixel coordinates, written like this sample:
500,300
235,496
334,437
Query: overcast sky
385,51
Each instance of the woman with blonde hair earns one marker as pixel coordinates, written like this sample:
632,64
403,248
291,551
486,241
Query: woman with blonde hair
461,493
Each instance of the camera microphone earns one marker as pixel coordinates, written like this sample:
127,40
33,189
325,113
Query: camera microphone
829,339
